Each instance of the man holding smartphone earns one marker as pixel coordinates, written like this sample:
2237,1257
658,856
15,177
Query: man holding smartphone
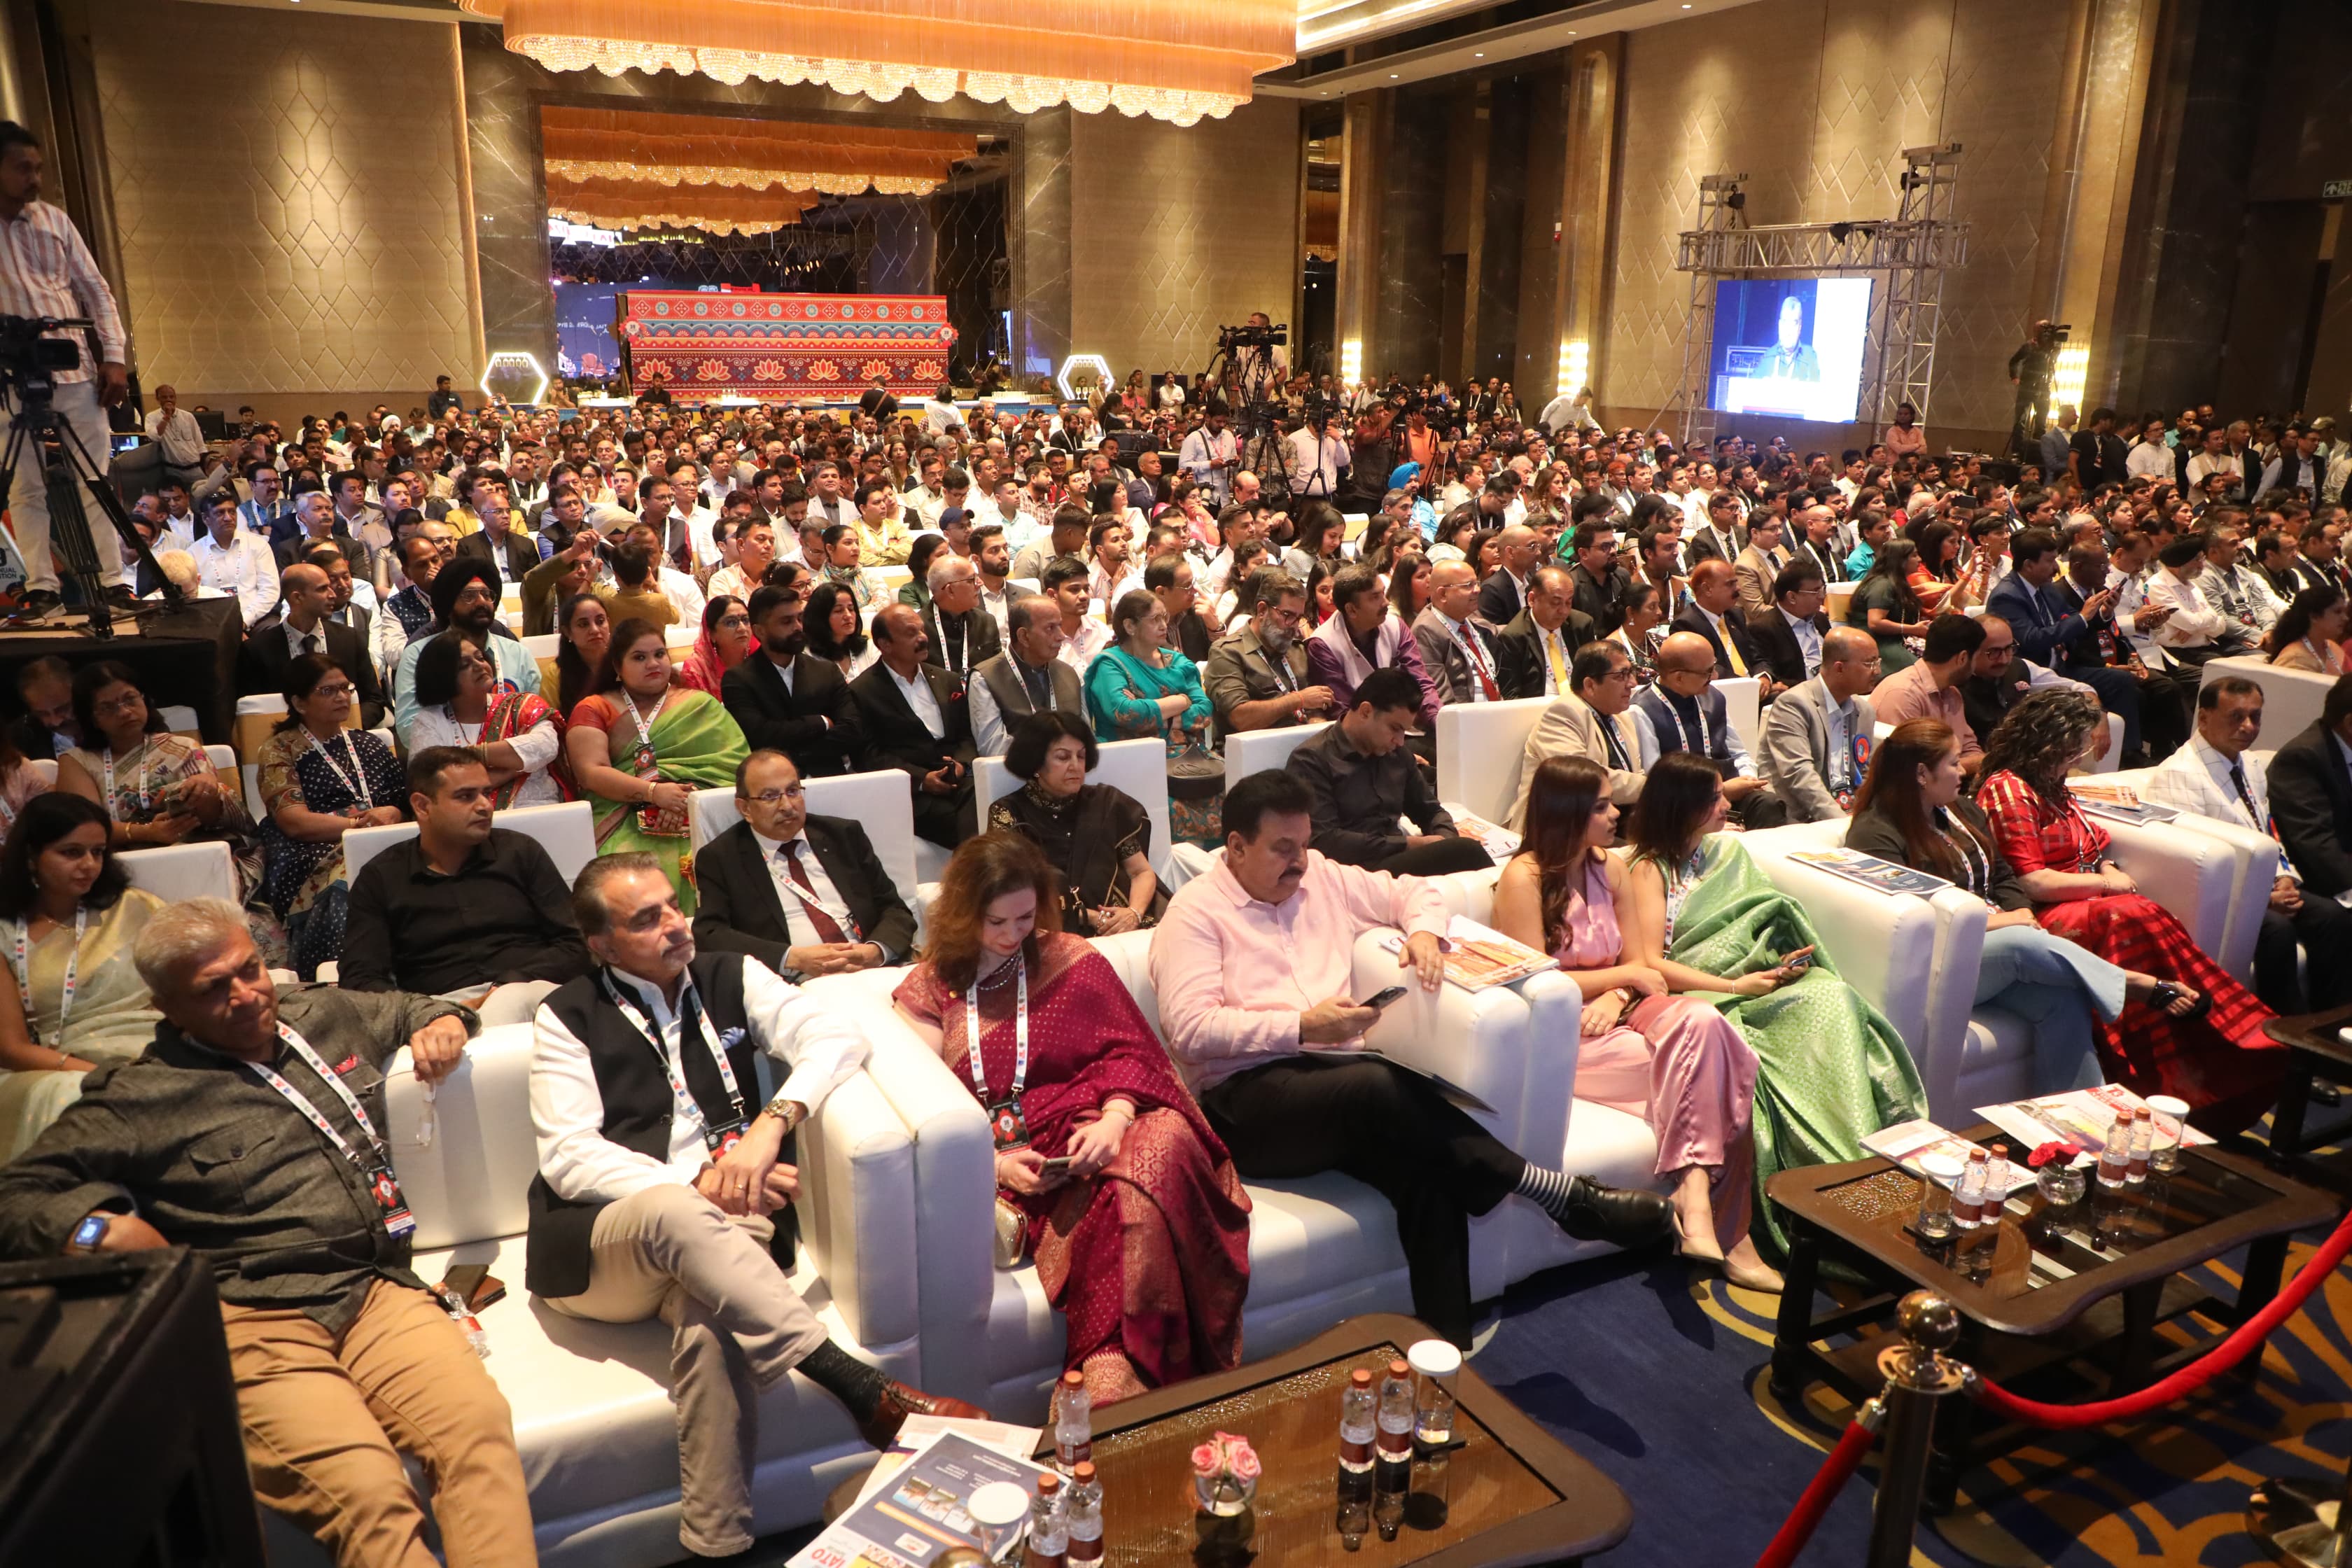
1251,962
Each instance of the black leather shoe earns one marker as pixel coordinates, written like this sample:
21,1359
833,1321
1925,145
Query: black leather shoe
899,1402
1623,1217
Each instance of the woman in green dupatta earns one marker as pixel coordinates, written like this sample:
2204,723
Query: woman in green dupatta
1830,1069
640,747
1139,687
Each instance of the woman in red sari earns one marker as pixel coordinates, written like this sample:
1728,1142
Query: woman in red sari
2199,1036
1143,1246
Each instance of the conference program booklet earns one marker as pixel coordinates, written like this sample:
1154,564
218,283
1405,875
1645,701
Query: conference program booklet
2118,803
916,1514
1870,871
1479,956
1444,1086
2080,1117
1910,1142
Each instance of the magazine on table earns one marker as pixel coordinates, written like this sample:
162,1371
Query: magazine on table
2079,1117
1870,871
913,1513
1910,1142
1500,841
1479,956
2118,803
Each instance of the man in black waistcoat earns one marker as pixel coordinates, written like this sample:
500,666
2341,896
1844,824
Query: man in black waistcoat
659,1170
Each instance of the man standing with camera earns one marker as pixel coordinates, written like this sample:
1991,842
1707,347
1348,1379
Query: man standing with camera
2031,369
45,270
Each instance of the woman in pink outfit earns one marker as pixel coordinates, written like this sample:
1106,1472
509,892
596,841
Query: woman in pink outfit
1672,1061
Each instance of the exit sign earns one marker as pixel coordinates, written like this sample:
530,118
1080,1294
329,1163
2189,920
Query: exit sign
2336,190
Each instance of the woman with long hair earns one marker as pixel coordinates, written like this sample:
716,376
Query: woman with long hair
1672,1061
2200,1035
583,632
73,1000
1937,568
2309,634
835,630
1911,812
726,642
1884,606
1456,540
1142,1241
1641,630
1830,1069
917,589
640,747
1407,589
318,780
520,736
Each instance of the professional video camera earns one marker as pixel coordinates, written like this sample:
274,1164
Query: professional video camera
1246,337
28,353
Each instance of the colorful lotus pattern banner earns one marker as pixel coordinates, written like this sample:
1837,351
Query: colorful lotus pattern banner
778,346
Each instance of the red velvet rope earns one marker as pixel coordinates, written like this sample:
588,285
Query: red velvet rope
2213,1363
1828,1481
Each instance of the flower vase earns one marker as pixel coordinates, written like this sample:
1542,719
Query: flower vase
2060,1182
1225,1519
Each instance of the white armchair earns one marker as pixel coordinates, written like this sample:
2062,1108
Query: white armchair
878,802
2292,698
592,1416
1479,748
1251,752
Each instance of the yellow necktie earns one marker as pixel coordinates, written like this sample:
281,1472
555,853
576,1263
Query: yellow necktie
1732,651
1558,666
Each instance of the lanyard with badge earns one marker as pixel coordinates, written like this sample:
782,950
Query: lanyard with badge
717,1138
106,759
356,781
1857,759
376,1166
1005,1117
73,965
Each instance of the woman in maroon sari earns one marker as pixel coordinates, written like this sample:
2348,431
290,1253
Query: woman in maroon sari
1143,1245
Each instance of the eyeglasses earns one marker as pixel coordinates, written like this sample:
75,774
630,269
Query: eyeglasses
128,704
342,689
774,797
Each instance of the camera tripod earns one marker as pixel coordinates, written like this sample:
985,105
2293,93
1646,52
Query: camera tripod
33,421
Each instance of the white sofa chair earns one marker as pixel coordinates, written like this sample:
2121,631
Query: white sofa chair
592,1416
1139,768
1251,752
2292,698
878,802
565,830
1320,1249
178,872
1479,748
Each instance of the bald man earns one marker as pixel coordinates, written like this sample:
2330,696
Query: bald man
1687,713
1817,737
1456,649
1714,613
1506,593
301,626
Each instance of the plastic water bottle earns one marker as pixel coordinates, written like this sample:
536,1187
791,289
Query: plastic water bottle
2115,1156
1436,1364
1995,1193
2143,1140
1049,1532
1359,1426
1082,1517
1968,1197
463,1316
1392,1460
1073,1423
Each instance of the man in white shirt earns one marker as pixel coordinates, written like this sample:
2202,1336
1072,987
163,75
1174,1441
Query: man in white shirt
1112,577
234,560
993,557
2216,458
2194,631
1210,455
2217,774
1083,636
654,1193
1314,460
827,500
2236,590
755,551
174,429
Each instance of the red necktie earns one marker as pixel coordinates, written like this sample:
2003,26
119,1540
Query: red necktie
827,928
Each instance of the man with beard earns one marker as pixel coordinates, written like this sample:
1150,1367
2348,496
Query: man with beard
1258,677
465,596
788,701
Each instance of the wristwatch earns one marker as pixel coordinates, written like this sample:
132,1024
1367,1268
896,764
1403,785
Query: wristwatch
787,1112
88,1233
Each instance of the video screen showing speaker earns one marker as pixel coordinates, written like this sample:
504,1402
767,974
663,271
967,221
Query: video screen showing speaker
1791,346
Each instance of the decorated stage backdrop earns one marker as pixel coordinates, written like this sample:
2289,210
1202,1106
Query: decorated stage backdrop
784,346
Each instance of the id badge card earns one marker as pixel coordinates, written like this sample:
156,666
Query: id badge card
397,1220
720,1138
1012,1129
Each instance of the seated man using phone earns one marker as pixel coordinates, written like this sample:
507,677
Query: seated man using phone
1251,962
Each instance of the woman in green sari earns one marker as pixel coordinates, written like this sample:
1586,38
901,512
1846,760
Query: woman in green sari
1830,1069
640,747
1139,687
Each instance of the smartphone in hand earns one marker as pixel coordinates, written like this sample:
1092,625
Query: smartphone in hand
1381,999
1801,960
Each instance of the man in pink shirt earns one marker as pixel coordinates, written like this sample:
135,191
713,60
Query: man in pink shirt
1930,688
1252,964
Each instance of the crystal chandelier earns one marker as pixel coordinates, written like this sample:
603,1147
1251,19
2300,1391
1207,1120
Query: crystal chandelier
633,204
1172,59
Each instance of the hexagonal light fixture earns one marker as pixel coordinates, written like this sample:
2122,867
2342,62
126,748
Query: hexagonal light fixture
1076,361
515,360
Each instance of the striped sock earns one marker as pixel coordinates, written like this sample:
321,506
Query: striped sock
1548,1188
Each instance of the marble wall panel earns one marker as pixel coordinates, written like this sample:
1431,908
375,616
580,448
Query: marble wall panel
288,193
1410,304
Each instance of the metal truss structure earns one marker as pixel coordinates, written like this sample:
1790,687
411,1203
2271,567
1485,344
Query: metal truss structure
1913,249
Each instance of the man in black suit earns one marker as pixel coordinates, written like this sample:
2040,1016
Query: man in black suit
1788,638
500,543
1504,592
785,699
914,718
1723,537
2311,797
1532,653
1713,615
805,895
960,634
305,629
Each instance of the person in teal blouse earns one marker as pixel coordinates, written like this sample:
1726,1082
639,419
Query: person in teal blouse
1139,687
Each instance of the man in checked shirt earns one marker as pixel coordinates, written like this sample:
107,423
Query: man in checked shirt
47,271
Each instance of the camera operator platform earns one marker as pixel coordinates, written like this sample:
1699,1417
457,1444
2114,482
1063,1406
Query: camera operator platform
52,297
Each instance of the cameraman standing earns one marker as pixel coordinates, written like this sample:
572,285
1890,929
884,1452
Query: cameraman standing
2031,369
47,271
1315,461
